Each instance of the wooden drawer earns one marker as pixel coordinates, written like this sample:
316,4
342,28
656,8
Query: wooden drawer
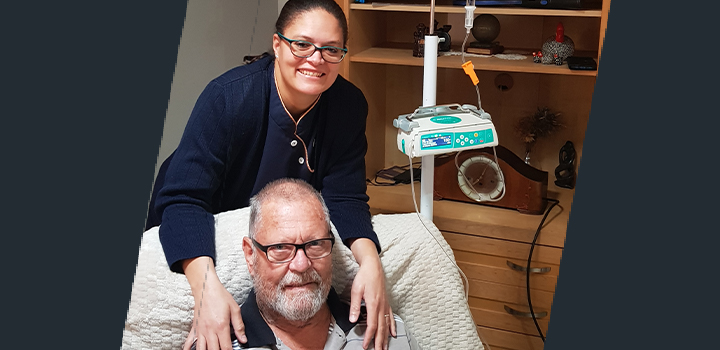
495,286
502,248
499,339
541,300
478,220
496,269
492,314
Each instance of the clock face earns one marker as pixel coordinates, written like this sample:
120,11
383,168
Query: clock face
480,178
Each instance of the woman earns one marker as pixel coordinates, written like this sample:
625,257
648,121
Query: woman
285,116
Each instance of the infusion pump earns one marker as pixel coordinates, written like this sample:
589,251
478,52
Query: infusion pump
444,129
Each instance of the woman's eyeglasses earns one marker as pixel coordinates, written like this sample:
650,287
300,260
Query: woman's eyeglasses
304,49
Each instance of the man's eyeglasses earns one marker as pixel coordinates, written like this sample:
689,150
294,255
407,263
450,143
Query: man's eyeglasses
283,252
304,49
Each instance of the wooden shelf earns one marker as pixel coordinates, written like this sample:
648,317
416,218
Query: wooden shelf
404,57
517,11
485,220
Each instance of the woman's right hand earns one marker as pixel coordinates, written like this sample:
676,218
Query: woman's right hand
215,309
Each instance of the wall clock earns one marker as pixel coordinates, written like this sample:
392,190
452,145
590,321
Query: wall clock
479,179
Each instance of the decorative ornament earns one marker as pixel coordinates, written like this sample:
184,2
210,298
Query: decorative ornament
419,34
485,30
444,33
560,45
537,57
540,124
419,38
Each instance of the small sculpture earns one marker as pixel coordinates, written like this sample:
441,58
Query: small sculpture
419,44
537,57
560,45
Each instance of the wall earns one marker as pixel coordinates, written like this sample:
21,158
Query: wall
215,37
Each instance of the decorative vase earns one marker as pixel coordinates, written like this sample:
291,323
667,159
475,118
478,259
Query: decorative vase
528,148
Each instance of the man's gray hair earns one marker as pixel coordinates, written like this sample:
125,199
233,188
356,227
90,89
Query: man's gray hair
288,190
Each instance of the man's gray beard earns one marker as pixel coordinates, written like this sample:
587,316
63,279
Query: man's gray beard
296,308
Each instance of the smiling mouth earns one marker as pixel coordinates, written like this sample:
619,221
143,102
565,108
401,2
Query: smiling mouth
311,74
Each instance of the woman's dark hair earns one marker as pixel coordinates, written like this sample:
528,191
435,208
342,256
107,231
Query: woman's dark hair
294,8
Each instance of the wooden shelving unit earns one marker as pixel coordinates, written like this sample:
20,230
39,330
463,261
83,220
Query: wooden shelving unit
515,11
484,239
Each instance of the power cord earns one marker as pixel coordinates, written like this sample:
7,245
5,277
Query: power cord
392,176
527,270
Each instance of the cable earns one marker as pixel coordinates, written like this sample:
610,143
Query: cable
417,211
527,270
390,175
486,346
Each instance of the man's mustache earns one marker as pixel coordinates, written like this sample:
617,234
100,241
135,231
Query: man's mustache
295,279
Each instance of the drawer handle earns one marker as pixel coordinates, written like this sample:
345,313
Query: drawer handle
523,268
514,312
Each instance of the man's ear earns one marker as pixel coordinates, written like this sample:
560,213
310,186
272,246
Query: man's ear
248,252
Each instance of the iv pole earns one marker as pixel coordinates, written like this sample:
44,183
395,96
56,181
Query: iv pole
427,174
430,55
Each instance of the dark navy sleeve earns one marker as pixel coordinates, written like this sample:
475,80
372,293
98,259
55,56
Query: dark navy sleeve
344,187
193,178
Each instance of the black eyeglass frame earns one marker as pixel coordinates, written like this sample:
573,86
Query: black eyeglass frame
322,49
265,248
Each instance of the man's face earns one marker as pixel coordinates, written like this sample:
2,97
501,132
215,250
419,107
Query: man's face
296,289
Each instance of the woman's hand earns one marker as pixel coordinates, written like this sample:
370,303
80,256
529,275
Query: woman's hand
215,309
369,285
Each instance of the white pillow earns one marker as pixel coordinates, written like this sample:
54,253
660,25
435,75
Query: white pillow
424,287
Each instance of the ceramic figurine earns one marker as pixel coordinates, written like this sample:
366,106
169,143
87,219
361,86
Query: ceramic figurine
536,57
560,45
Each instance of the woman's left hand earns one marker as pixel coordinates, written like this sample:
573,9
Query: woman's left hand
369,285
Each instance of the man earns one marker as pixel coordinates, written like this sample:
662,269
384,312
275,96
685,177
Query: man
288,254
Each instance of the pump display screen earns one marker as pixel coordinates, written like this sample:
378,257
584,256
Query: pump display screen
437,140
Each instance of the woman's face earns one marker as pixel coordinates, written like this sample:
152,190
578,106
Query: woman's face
305,78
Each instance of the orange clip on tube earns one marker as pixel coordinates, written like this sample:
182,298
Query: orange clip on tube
470,70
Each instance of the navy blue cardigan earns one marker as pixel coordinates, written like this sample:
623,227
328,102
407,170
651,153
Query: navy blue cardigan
215,166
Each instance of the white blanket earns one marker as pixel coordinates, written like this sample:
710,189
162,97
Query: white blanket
424,287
